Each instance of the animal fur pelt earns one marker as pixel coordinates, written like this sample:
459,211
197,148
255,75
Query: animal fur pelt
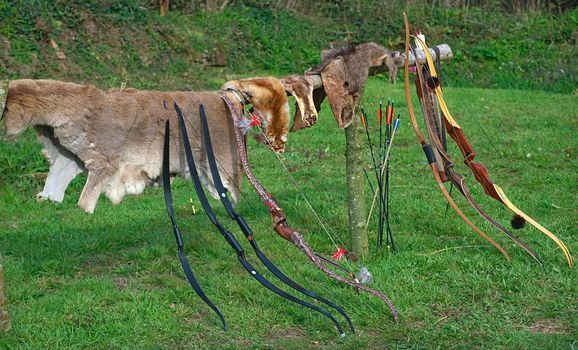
269,102
116,136
344,72
301,87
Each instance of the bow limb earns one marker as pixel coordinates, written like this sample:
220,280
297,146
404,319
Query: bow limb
478,169
280,224
246,229
299,241
429,151
553,237
182,257
459,181
462,215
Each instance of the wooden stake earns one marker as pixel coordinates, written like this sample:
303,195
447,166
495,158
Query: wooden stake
354,135
164,5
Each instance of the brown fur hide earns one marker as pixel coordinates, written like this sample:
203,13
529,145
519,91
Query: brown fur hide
302,89
269,101
344,72
117,136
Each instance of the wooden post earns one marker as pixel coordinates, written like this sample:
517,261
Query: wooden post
164,4
356,189
398,60
4,317
354,140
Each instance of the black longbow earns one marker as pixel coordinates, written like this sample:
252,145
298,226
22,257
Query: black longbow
169,203
229,237
222,191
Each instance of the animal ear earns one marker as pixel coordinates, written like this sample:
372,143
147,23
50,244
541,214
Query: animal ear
378,61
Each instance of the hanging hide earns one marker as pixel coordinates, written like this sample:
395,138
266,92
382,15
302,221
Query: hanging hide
344,72
305,110
269,101
116,136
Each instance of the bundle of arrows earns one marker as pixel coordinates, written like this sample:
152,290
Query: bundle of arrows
439,121
381,171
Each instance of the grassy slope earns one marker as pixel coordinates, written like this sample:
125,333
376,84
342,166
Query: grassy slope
112,279
111,42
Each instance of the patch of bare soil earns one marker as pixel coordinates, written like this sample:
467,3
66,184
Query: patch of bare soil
120,282
445,314
548,326
286,333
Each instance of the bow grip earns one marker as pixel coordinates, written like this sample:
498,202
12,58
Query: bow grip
280,224
431,158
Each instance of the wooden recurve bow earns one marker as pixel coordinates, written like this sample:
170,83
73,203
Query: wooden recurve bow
430,112
478,169
429,151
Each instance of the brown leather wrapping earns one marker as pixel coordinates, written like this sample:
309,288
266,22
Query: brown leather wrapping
480,172
280,224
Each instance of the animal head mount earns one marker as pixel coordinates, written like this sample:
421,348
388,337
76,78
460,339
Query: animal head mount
269,102
344,72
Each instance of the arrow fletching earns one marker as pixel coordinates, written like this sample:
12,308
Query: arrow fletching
362,116
390,112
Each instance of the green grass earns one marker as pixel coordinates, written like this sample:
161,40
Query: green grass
108,43
113,280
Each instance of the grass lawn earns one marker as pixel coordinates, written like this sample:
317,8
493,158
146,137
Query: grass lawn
113,280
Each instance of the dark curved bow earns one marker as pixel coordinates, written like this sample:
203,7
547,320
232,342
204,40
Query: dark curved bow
280,224
229,237
222,191
169,203
478,169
